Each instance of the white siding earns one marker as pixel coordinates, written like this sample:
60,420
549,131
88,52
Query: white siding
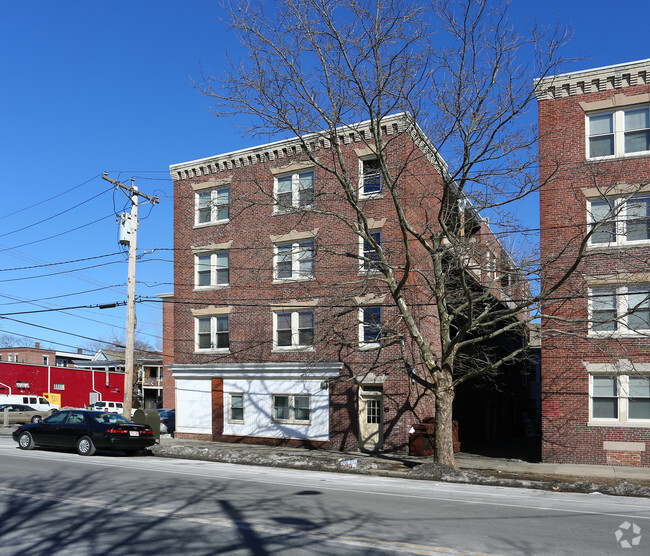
258,394
194,406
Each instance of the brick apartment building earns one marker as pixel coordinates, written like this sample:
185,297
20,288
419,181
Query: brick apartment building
279,328
595,169
39,356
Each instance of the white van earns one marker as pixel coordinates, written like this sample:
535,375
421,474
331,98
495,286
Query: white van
37,402
109,407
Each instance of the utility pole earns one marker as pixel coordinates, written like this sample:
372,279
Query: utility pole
130,237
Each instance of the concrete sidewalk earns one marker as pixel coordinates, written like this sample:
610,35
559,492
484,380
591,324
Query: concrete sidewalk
380,464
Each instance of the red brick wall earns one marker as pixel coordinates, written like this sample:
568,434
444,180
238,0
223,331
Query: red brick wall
252,291
564,173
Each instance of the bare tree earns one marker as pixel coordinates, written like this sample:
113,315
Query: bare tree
462,77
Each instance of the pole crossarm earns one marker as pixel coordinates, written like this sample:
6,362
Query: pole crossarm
129,189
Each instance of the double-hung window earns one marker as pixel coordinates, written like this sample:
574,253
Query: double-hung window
294,329
292,408
213,333
371,179
622,398
620,221
370,326
236,408
212,269
295,260
212,206
369,255
621,309
619,132
294,191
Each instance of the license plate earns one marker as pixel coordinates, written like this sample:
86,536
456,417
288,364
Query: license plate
134,433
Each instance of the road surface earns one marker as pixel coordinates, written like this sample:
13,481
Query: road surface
54,502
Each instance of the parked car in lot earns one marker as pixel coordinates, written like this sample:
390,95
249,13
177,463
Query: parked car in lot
19,413
86,431
110,407
167,421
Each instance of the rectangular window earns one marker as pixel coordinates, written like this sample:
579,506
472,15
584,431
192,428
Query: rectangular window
213,333
294,191
212,205
236,413
294,261
624,309
46,360
294,329
370,177
620,221
292,408
373,411
212,269
369,255
622,399
619,132
371,326
58,386
604,397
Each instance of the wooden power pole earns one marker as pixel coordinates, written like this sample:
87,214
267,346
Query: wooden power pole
129,236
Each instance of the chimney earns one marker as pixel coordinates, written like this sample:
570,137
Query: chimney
79,350
37,345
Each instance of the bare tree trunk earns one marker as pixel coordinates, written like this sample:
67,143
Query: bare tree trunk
444,438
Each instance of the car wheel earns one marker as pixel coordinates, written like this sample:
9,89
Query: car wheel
85,446
36,419
25,441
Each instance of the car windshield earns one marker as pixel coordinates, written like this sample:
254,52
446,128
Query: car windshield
100,404
102,417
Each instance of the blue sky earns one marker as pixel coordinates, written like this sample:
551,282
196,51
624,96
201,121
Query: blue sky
90,87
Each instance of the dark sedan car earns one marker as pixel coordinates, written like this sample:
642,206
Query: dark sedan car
86,431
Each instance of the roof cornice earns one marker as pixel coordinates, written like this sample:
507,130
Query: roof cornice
284,149
593,80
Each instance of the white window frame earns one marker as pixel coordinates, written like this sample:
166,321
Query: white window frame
622,383
621,306
294,315
618,132
296,189
214,321
215,204
365,261
363,194
292,409
231,419
363,343
214,257
298,250
619,220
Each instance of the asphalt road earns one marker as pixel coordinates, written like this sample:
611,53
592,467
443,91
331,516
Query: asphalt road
54,502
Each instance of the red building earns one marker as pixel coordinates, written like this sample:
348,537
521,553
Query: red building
77,387
39,356
280,323
595,169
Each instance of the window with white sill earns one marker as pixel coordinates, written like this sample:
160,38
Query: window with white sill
212,269
292,408
294,330
618,221
370,327
619,310
370,178
212,206
236,408
619,399
294,260
369,256
294,191
212,333
618,133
